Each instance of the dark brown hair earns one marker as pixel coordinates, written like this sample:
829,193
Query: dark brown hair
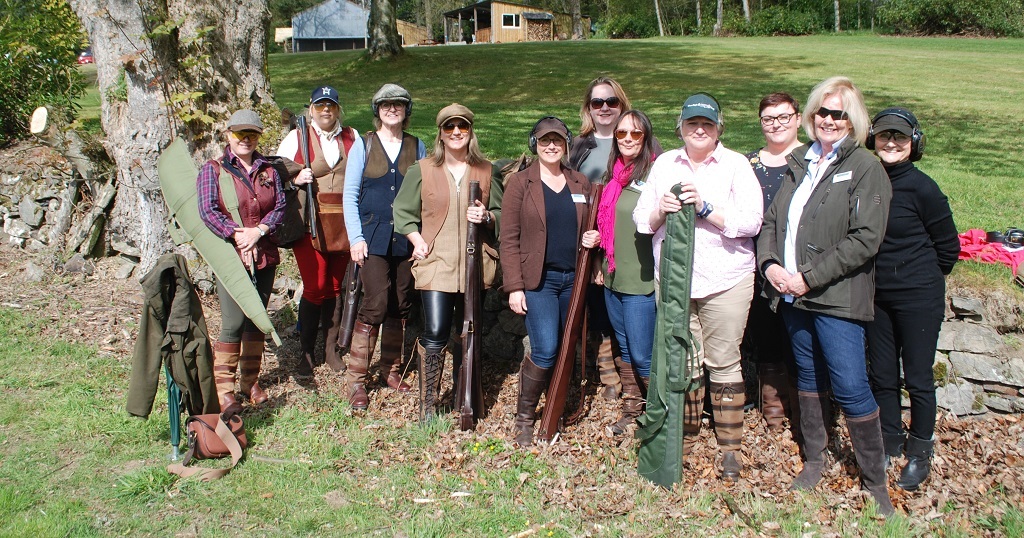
645,159
776,99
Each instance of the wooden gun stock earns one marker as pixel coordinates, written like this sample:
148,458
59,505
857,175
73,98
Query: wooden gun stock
469,392
558,390
353,292
303,134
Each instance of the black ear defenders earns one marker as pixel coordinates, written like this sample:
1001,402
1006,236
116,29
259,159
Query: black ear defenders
917,138
533,134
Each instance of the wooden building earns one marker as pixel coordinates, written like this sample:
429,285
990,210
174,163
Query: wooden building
338,24
412,34
490,21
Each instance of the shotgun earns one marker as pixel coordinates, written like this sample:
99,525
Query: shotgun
558,390
469,394
303,134
353,293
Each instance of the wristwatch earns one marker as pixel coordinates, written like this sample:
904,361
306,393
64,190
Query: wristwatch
260,230
706,210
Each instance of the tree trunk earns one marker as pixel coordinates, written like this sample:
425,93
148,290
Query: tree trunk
746,10
577,19
836,4
428,20
382,28
140,70
718,19
657,13
698,16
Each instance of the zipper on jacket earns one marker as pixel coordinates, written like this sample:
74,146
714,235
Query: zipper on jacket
820,205
814,248
856,209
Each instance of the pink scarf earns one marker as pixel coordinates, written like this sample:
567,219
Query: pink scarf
606,209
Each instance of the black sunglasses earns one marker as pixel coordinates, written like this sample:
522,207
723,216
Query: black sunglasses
597,103
836,115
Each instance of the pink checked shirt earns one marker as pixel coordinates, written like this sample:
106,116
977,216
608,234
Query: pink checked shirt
721,258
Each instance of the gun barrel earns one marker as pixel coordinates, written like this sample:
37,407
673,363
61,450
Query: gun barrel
353,292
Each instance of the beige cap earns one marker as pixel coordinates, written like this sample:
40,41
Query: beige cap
452,111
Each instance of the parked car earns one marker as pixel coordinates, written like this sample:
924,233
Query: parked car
85,57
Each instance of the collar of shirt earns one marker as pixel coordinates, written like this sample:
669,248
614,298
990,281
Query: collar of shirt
714,157
815,150
257,161
329,135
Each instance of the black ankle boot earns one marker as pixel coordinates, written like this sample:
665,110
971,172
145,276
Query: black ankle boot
919,463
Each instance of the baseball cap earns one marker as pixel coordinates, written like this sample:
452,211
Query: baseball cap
701,105
245,120
324,93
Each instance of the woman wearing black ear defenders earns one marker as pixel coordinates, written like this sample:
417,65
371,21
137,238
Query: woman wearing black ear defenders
919,248
545,208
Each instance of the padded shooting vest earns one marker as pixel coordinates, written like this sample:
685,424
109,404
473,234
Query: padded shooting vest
380,183
254,201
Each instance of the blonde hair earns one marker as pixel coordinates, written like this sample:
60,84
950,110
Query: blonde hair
853,105
587,122
473,157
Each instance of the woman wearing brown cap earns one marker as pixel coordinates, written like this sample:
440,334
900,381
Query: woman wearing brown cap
546,207
257,203
429,211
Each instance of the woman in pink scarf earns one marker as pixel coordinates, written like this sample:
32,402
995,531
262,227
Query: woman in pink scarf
628,269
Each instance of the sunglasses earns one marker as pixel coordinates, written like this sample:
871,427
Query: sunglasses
635,134
325,105
550,141
450,127
784,119
836,115
612,102
891,136
252,136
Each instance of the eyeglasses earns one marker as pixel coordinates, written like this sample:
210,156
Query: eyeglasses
767,121
251,136
836,115
635,134
885,137
450,127
597,103
396,105
325,105
550,141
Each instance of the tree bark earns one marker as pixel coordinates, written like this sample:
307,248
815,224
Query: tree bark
746,10
577,19
698,16
718,19
382,28
657,13
138,71
428,20
836,4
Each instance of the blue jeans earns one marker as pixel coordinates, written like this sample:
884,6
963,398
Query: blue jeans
829,351
632,318
546,308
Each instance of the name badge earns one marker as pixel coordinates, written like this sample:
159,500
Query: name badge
579,199
841,177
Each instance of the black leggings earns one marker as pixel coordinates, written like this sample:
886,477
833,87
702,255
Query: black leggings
232,320
441,310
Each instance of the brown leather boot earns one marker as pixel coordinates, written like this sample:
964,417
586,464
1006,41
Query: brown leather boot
632,398
774,384
249,363
692,413
364,340
309,328
611,382
532,381
727,400
815,410
330,320
225,364
392,341
868,446
431,366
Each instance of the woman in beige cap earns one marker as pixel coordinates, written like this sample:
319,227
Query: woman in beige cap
429,211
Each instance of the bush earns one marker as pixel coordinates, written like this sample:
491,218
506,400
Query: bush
39,40
996,18
631,26
780,20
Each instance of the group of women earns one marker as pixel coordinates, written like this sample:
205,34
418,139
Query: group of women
828,258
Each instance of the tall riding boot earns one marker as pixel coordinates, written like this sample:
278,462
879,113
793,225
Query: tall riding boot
330,319
309,328
866,438
364,340
611,381
225,364
919,463
727,400
249,363
532,381
773,381
814,408
392,341
430,370
632,398
693,412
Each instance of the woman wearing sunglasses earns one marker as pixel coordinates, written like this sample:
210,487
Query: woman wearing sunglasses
431,210
779,115
816,252
919,249
546,207
720,185
628,268
322,260
256,190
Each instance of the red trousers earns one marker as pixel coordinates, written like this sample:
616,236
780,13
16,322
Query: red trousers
323,274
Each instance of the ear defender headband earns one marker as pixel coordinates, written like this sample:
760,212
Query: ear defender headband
533,134
917,138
